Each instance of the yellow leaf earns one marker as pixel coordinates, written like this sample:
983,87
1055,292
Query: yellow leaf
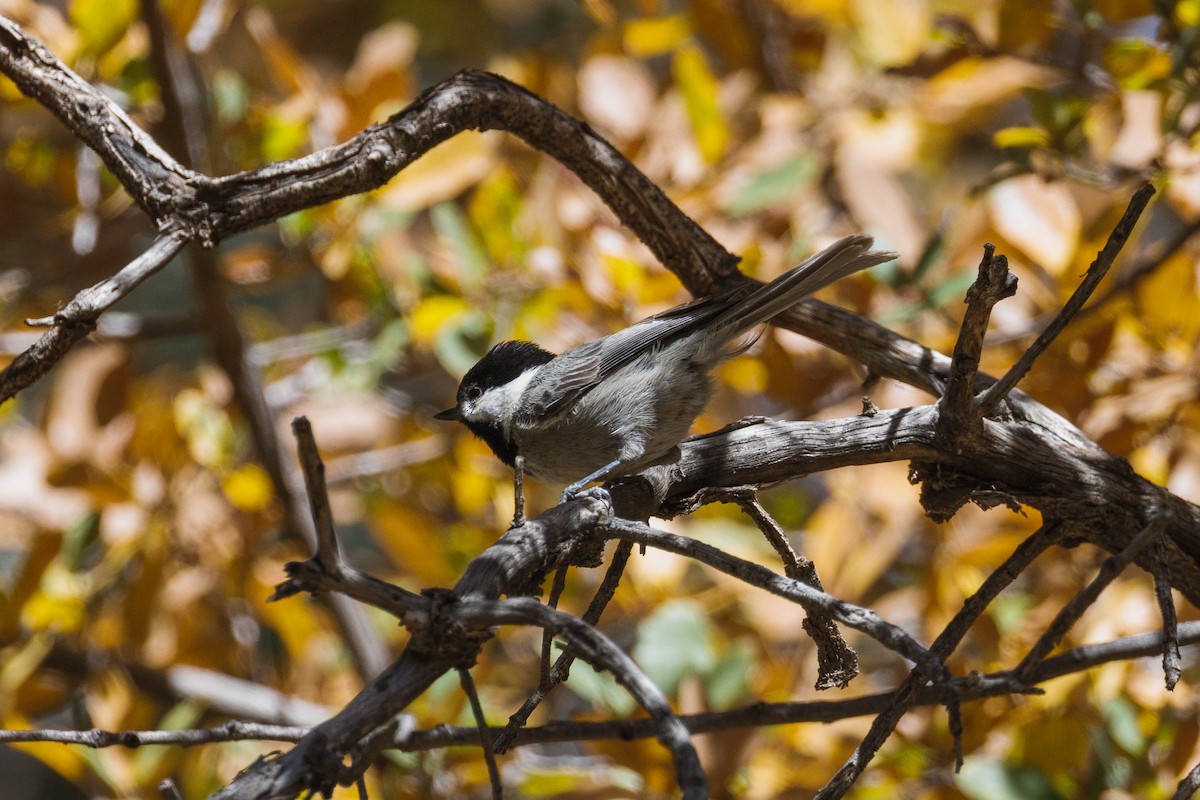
626,274
1136,64
427,319
402,532
699,88
654,37
748,375
1125,10
1021,137
601,12
827,10
60,609
20,665
66,761
1025,23
442,173
1187,13
248,488
976,83
892,32
1167,302
102,22
472,489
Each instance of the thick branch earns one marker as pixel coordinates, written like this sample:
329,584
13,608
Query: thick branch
153,179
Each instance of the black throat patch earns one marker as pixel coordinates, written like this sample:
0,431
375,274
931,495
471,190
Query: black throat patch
493,436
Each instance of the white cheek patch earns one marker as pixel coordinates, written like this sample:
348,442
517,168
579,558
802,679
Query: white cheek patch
500,403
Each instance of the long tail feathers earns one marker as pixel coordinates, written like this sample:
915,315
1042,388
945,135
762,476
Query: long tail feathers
844,257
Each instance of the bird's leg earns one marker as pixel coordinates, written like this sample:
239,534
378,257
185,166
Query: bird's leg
518,491
575,488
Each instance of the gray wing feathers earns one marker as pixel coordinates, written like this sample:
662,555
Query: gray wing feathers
727,316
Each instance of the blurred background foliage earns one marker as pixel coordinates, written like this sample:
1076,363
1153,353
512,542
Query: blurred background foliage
138,531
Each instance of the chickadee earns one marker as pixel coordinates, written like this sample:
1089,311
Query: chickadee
619,404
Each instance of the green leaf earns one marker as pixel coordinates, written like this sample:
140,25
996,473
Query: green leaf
729,680
231,96
1026,137
459,346
148,761
78,538
673,642
283,136
601,689
773,187
452,227
983,779
952,288
1008,611
1123,726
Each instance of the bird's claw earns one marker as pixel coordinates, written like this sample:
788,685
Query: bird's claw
595,493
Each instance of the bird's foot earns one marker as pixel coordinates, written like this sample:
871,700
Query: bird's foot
579,493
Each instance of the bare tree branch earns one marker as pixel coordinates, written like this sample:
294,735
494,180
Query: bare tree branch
562,666
942,647
1031,457
837,663
1095,274
993,283
1109,570
753,716
78,318
485,739
861,619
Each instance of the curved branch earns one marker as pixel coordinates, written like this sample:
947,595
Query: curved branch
598,650
755,715
157,182
811,598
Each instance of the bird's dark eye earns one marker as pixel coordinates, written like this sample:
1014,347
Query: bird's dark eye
474,393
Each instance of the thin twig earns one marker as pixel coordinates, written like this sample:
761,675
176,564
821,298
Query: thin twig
1096,272
485,738
329,551
945,643
78,318
556,590
837,663
518,491
992,284
186,131
955,725
327,569
1109,570
1166,606
600,651
1189,785
232,731
857,617
756,715
562,666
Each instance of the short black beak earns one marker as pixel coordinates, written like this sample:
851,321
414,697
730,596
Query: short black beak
449,414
